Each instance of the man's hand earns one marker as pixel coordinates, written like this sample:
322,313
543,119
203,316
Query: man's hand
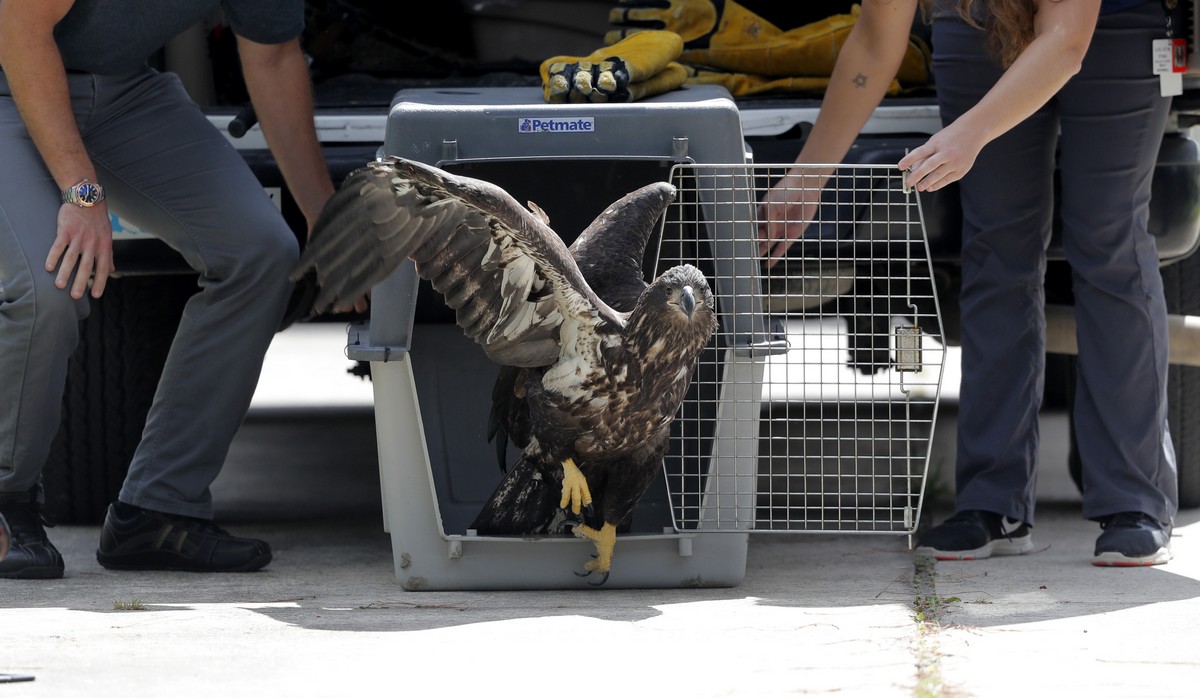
788,209
83,246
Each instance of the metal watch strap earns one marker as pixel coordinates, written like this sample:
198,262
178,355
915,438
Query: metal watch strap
71,194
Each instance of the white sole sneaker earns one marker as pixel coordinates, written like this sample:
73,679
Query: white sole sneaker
998,547
1112,559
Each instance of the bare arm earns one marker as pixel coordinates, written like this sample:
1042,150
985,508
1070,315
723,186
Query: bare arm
34,69
866,65
1062,32
281,91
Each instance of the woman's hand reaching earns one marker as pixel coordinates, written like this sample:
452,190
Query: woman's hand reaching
787,210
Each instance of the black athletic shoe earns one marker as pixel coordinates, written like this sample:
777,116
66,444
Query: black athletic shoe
31,555
975,535
5,536
1132,539
139,539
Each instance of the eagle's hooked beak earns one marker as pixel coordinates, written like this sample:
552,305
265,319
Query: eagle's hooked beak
687,301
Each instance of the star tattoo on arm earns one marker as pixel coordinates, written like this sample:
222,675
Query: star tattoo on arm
860,80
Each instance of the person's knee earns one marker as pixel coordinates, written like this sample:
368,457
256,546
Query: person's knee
265,255
276,248
50,310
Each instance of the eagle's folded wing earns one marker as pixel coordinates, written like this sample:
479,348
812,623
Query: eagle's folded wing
509,277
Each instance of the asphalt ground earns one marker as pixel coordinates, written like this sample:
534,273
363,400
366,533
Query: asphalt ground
816,614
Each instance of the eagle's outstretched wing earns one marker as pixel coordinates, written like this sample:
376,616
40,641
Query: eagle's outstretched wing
509,277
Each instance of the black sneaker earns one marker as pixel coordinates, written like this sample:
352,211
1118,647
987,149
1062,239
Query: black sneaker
975,535
5,536
140,539
1132,539
31,555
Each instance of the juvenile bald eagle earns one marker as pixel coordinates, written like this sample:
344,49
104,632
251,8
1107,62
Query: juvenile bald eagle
587,391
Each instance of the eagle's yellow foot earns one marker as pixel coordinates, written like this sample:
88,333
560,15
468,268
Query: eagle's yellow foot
574,488
605,540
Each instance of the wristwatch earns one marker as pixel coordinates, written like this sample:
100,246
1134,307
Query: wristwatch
84,194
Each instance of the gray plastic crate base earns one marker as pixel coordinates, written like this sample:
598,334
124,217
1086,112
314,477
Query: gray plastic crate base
428,559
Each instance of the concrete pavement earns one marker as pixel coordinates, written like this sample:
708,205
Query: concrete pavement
817,614
1050,624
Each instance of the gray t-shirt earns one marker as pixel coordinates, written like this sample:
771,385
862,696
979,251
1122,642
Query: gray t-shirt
117,36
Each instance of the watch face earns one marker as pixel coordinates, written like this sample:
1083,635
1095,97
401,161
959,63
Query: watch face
88,193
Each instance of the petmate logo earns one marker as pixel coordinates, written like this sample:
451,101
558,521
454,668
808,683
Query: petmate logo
533,124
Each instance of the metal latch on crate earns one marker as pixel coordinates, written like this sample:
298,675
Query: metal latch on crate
775,342
908,349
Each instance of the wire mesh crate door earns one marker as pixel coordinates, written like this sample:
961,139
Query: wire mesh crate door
712,466
814,408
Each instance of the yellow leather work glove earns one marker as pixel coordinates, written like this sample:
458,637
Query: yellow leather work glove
744,84
722,34
630,69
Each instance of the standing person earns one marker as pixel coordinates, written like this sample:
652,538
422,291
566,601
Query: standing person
85,122
1016,81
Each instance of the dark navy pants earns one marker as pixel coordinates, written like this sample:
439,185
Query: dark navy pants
1106,126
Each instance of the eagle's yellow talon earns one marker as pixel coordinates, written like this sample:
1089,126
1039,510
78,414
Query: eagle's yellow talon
605,540
574,488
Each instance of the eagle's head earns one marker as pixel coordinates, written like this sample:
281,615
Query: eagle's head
678,308
687,291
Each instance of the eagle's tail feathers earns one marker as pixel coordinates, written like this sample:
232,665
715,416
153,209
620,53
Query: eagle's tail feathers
524,503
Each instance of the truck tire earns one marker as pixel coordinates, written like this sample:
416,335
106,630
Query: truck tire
1181,282
111,381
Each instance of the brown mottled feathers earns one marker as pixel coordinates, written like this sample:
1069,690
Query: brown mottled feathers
509,277
609,254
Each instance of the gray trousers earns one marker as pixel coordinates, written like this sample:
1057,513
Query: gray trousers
168,171
1107,124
